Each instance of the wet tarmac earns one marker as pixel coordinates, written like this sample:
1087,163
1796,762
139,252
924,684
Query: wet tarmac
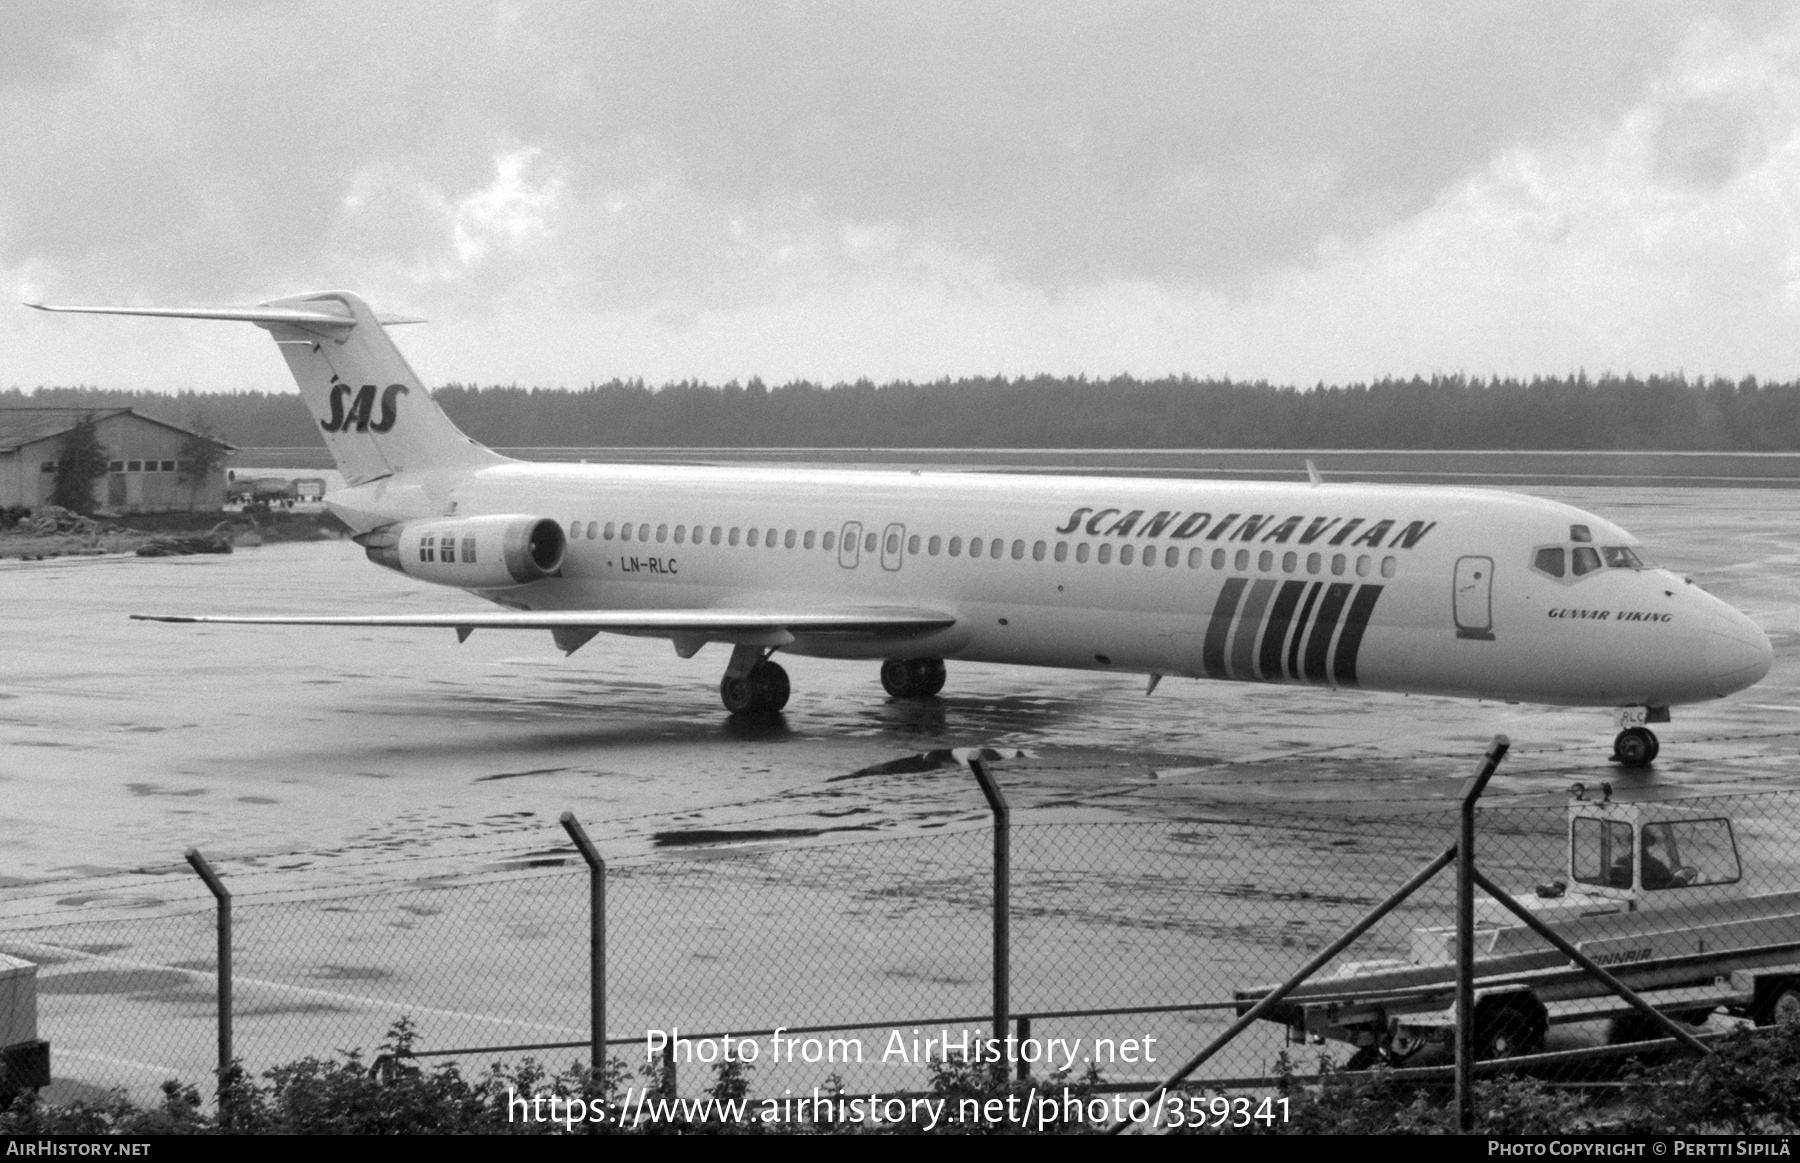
123,743
312,759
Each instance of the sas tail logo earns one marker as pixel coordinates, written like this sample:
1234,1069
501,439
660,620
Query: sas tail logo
357,418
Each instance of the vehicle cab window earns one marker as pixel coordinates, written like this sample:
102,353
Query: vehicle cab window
1583,560
1600,852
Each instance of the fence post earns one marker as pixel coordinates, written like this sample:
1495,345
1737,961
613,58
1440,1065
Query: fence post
1002,892
1465,934
223,896
596,938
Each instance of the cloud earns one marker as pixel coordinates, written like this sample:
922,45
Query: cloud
1296,191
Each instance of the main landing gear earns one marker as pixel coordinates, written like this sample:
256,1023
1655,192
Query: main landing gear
1636,744
752,684
912,678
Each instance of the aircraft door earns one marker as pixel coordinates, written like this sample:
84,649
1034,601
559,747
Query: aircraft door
1473,599
850,544
893,546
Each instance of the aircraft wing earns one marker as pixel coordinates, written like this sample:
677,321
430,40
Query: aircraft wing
573,628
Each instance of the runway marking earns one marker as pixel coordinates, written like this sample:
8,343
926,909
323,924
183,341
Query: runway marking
336,995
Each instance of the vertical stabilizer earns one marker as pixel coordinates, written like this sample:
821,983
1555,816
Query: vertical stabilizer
377,418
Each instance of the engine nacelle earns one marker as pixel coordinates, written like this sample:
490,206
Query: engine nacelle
476,553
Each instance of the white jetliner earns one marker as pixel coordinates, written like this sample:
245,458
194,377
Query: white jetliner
1440,591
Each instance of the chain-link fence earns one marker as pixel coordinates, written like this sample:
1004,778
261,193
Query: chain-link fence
1157,923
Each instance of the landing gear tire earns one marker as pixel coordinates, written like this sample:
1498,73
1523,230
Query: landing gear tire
912,678
763,691
1636,747
1780,1008
1507,1028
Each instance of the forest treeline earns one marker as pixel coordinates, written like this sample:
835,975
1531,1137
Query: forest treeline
1442,412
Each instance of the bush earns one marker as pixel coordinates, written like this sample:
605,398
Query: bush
1750,1086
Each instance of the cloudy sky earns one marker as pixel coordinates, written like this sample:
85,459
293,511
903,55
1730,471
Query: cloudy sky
572,192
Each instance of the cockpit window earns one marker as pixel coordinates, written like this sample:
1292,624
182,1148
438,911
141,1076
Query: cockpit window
1621,557
1583,559
1580,533
1549,561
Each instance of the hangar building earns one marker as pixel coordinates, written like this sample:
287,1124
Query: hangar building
148,459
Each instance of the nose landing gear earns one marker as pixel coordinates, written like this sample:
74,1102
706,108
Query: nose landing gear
912,678
1636,747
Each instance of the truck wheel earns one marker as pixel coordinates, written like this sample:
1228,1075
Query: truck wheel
1780,1008
1509,1027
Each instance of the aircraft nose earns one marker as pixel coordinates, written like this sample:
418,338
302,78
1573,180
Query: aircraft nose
1737,653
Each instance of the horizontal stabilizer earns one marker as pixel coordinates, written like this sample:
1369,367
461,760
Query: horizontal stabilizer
295,316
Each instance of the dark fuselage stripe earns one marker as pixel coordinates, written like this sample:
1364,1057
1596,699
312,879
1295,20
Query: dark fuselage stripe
1243,643
1318,643
1299,639
1350,641
1281,615
1212,654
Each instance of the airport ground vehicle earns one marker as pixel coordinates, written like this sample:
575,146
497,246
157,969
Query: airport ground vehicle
1654,892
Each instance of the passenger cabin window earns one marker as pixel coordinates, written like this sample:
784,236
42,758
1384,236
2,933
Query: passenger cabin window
1125,555
1081,552
828,540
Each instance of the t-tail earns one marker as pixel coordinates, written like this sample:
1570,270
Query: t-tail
377,418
